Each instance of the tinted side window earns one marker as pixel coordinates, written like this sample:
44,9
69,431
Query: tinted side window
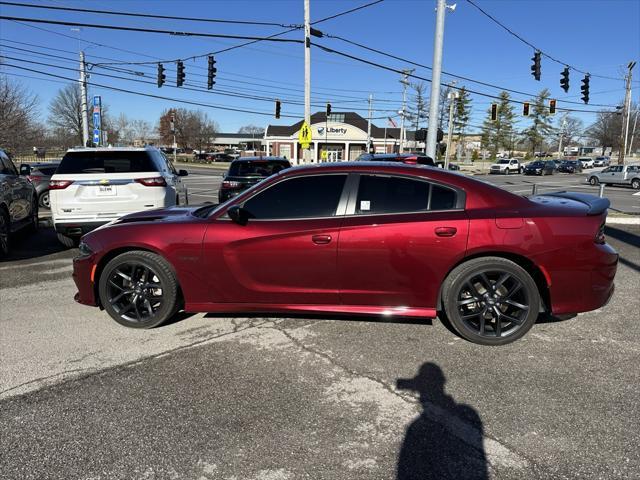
378,194
106,162
303,197
442,198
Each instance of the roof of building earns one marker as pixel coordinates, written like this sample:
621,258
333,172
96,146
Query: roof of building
350,118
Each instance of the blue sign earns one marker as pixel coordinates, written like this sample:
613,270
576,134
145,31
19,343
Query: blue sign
96,101
97,120
96,136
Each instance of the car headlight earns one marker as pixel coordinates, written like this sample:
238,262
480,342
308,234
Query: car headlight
85,250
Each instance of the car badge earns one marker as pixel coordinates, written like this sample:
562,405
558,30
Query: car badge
104,181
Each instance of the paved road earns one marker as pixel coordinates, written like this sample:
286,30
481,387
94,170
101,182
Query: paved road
215,397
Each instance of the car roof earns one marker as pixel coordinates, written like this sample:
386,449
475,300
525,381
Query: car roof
249,159
111,149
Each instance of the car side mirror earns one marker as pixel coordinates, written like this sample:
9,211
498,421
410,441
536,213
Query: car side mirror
239,215
25,169
183,173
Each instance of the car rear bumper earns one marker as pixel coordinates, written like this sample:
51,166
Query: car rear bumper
77,229
83,271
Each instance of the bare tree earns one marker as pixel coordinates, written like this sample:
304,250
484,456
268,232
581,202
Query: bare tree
418,109
18,111
251,130
65,112
606,130
142,130
193,128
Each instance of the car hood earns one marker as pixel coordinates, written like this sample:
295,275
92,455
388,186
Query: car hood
175,213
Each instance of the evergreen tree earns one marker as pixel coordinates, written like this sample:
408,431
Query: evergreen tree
461,116
417,110
540,117
500,132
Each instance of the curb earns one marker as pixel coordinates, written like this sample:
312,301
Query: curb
623,220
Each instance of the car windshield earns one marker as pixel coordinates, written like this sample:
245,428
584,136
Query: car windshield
257,168
536,164
503,162
106,162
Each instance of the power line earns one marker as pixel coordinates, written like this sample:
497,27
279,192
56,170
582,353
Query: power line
405,60
526,42
151,30
147,15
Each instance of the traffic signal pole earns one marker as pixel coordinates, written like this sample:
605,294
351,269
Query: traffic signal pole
83,95
436,72
306,153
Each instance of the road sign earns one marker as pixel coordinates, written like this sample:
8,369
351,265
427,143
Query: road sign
96,136
97,120
304,137
97,101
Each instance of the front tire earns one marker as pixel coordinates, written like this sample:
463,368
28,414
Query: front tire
506,171
491,300
68,242
594,181
138,289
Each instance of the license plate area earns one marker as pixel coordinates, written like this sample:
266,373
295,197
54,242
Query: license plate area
106,190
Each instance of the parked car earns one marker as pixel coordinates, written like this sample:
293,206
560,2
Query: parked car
413,242
617,175
601,161
542,154
246,172
540,167
506,166
18,203
586,162
213,157
94,186
39,174
570,166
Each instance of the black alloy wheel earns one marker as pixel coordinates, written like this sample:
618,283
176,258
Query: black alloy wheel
491,300
5,229
138,289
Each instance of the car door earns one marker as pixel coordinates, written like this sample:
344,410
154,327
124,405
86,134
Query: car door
286,253
614,174
399,238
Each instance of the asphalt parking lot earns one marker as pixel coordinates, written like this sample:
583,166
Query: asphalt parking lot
218,397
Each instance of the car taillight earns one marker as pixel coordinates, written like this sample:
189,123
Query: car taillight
600,238
152,182
59,184
230,184
410,162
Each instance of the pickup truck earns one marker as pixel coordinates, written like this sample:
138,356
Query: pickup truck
617,175
506,166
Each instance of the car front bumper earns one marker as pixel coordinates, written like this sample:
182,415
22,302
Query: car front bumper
84,270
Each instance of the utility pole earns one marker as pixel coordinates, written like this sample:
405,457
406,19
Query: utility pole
306,153
369,125
83,94
452,98
403,112
173,130
562,127
438,40
625,116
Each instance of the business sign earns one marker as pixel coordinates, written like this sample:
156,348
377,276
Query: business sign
331,131
97,120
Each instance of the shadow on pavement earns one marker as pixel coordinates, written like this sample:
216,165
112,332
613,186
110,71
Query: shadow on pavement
26,245
629,238
325,316
446,440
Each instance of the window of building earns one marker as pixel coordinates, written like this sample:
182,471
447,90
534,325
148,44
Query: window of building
336,117
303,197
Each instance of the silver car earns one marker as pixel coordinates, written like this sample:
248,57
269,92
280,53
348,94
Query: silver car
617,175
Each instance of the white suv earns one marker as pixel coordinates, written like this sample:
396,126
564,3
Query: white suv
93,186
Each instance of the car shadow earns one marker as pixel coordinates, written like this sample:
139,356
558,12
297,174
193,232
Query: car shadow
325,316
26,245
446,440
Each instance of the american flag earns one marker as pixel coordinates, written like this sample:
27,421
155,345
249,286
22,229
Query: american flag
392,123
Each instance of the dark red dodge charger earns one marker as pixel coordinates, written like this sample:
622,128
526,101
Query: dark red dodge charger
358,238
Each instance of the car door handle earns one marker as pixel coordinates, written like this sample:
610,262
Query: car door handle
321,239
446,231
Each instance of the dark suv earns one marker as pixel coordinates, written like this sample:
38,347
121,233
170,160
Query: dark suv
247,171
540,167
18,203
570,166
39,174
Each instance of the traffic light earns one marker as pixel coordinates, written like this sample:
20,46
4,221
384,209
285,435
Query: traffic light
564,79
494,111
585,88
277,108
552,107
525,109
180,74
161,76
211,72
328,110
535,68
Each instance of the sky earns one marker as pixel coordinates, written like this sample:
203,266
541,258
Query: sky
599,37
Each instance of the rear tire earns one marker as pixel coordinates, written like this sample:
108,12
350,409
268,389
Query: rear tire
491,300
44,199
68,242
138,289
635,183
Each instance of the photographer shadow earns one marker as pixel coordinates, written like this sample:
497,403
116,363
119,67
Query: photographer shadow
446,440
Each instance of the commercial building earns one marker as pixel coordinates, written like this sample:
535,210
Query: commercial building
343,136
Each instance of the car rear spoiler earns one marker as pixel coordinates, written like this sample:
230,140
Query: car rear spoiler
597,205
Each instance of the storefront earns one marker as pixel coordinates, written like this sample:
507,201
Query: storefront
341,137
